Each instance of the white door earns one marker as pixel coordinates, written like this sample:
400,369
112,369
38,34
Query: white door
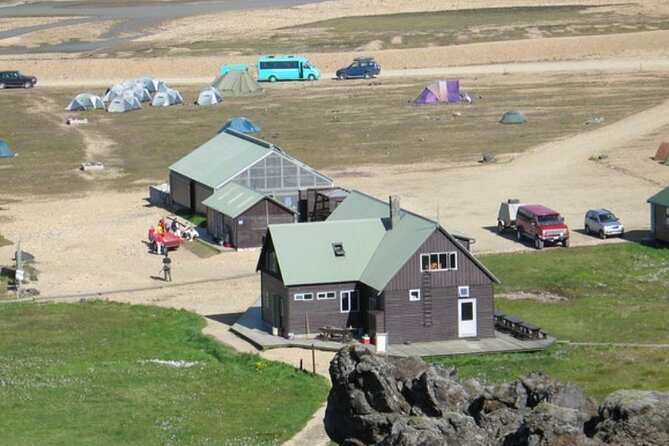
466,318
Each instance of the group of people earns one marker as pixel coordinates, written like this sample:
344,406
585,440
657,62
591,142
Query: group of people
158,233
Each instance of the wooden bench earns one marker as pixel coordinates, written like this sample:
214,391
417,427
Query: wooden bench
336,334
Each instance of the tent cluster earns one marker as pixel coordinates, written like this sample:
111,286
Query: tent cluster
127,96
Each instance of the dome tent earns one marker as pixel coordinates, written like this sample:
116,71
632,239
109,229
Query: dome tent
166,98
440,91
209,96
85,101
127,102
513,117
242,125
5,151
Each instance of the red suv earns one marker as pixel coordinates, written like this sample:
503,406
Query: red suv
542,225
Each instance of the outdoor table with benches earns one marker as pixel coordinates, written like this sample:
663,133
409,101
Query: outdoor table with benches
336,334
516,327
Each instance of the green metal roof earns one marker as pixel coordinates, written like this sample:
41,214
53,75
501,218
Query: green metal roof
661,198
306,255
397,245
374,253
221,158
234,199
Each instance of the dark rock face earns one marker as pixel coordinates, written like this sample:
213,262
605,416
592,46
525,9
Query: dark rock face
376,400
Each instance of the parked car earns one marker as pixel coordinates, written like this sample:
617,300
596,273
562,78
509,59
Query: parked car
603,223
542,225
16,79
361,67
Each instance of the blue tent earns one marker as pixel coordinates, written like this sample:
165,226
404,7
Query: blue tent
242,125
5,151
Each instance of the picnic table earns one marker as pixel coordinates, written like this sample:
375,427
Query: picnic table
517,327
337,334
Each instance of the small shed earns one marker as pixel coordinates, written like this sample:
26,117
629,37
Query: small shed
159,194
238,216
659,215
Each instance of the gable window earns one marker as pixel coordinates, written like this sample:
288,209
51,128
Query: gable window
326,295
272,265
414,295
348,302
304,296
463,291
338,249
439,261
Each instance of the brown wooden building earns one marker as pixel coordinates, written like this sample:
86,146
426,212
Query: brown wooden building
381,270
238,216
233,157
659,215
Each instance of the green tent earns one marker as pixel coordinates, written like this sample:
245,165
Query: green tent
237,83
513,117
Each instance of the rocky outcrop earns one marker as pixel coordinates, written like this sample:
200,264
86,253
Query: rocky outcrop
377,400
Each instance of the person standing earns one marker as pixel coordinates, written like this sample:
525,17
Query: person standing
159,243
167,268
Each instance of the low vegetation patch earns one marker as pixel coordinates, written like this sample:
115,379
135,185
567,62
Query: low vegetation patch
418,30
615,294
101,373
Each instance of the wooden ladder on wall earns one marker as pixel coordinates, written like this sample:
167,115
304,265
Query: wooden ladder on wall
427,299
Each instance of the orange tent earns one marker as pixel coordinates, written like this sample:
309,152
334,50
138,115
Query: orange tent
662,152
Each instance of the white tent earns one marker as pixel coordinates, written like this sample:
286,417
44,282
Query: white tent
141,93
151,83
124,103
113,92
167,97
209,96
85,101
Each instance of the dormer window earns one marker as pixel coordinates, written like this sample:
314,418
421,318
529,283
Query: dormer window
338,249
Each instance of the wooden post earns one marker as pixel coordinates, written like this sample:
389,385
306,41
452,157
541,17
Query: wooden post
306,321
313,359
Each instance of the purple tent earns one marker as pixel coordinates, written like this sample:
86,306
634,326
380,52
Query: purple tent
453,88
427,97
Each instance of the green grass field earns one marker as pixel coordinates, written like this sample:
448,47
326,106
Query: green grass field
108,374
614,294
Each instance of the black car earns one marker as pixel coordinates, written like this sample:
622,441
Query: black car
16,79
361,67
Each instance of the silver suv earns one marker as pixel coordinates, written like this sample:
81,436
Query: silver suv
603,223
